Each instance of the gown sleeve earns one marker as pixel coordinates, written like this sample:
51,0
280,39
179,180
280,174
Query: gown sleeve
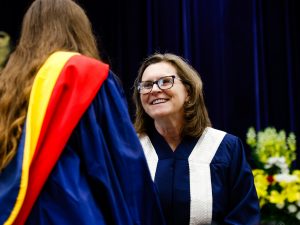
243,201
102,176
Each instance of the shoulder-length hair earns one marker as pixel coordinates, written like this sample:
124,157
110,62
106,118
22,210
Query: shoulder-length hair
195,112
48,26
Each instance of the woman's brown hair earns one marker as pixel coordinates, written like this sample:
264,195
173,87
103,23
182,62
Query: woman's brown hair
195,112
48,26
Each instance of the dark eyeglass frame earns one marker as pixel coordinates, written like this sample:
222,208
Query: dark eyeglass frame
158,82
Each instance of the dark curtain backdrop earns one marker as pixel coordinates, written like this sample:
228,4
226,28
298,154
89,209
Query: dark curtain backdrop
247,52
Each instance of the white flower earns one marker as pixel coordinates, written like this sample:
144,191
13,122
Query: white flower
280,205
298,203
280,162
292,208
288,178
298,215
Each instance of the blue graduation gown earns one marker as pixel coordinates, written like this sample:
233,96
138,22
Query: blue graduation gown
101,176
205,181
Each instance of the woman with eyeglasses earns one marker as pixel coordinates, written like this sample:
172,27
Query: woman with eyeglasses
201,173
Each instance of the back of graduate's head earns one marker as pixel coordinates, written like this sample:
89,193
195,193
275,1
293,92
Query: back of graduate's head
48,26
51,25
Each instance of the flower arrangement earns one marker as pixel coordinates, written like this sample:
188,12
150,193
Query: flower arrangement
277,185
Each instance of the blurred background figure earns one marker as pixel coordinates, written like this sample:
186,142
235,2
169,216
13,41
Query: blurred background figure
5,48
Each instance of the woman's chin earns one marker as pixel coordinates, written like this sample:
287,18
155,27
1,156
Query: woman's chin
160,114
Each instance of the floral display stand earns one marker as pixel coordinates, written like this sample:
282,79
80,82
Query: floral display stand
277,184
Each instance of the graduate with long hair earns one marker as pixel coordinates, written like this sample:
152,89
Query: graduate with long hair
68,151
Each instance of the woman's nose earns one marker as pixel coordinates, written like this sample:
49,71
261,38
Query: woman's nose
155,88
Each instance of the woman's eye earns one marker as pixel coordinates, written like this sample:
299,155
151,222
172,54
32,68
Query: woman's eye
148,85
165,81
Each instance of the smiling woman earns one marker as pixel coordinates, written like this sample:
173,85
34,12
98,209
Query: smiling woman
201,173
166,99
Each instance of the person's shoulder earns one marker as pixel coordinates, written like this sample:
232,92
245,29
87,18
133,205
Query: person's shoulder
230,148
88,61
229,140
75,59
83,65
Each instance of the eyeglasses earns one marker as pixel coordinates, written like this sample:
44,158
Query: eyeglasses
163,83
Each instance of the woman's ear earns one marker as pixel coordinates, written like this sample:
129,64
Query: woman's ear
188,90
187,99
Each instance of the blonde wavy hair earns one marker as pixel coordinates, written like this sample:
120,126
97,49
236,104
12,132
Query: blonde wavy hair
48,26
195,112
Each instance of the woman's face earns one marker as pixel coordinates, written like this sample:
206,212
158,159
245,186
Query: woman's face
159,104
